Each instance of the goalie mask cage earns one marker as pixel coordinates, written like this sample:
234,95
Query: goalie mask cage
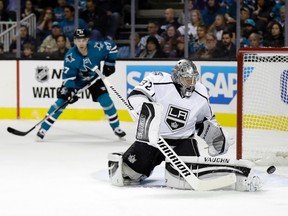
262,105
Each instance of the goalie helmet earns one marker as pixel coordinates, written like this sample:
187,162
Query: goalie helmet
185,74
81,33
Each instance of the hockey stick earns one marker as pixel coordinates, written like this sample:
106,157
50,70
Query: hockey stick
173,158
24,133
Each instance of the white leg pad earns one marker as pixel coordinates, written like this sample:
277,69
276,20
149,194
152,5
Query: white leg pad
213,167
120,173
115,162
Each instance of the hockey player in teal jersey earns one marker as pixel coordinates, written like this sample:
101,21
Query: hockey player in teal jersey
78,62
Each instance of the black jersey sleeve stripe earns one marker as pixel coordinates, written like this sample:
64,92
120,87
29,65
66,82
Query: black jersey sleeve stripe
164,83
201,94
136,92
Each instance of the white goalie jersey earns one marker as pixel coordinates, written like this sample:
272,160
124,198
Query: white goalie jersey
180,115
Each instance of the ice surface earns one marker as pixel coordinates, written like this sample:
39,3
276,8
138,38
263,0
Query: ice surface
67,176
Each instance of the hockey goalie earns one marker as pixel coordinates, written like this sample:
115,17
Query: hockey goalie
176,107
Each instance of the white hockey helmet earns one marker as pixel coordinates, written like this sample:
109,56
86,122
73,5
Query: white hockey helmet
186,75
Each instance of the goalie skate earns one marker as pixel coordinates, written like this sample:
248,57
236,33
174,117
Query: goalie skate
250,183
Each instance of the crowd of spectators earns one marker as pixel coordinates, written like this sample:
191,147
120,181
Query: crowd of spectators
211,27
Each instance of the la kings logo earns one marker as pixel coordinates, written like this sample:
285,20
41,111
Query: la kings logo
42,74
176,117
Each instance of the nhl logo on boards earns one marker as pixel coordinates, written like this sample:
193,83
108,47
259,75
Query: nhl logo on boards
176,117
42,74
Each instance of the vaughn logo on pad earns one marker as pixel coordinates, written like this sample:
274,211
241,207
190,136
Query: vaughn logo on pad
176,117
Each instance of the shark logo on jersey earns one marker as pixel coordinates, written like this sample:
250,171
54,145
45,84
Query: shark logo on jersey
108,45
176,117
86,61
69,58
42,74
98,45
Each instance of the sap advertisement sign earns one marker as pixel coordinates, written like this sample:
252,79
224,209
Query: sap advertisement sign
221,81
136,73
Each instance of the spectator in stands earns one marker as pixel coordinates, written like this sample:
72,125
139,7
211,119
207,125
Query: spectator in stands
249,27
24,38
282,16
96,18
231,16
152,29
180,49
218,26
114,10
255,40
49,44
44,25
195,21
277,8
61,41
152,49
275,37
198,44
12,8
191,6
244,15
226,48
29,9
59,10
262,15
210,50
28,51
4,15
170,19
250,4
126,12
170,41
67,25
125,51
212,8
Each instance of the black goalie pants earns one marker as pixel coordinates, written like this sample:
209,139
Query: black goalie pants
143,158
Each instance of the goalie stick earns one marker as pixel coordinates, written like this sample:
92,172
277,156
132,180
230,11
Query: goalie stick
24,133
173,158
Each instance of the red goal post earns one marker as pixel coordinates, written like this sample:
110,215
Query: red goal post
262,105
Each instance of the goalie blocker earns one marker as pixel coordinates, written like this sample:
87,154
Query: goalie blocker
121,174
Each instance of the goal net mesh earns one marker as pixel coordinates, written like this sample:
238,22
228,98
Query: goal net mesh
264,101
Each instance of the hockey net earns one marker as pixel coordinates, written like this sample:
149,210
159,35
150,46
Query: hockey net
262,106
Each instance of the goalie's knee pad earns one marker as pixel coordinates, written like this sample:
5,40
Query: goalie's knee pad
120,173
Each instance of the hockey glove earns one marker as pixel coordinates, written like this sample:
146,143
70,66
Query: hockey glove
217,140
108,70
87,75
69,94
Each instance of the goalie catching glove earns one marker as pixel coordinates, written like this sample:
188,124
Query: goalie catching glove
69,94
217,139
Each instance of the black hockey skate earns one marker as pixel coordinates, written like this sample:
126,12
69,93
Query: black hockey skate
40,135
120,133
